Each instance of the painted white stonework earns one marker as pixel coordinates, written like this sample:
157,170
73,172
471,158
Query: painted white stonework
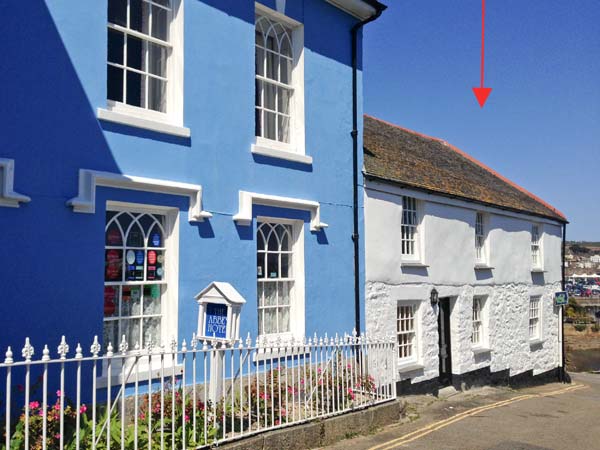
447,243
8,197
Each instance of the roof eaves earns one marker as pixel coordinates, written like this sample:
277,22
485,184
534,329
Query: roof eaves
478,163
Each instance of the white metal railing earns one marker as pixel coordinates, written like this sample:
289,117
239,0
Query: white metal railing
187,396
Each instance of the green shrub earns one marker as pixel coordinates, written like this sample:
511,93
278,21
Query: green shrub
580,326
596,328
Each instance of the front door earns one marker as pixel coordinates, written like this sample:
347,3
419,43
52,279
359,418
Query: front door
444,342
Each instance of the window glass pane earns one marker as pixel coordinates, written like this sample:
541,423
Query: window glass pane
155,237
160,24
114,83
134,52
113,265
269,96
260,265
269,125
146,221
270,294
131,301
269,321
115,46
259,40
270,41
152,330
135,238
152,299
135,265
157,60
260,61
283,100
271,65
117,12
131,329
258,122
284,292
110,333
273,239
154,267
139,16
272,265
258,93
283,129
111,301
285,70
135,88
157,94
166,3
286,46
286,260
125,220
284,320
113,236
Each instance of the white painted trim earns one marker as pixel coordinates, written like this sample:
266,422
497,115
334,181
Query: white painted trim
247,199
272,152
477,350
139,122
85,202
8,197
357,8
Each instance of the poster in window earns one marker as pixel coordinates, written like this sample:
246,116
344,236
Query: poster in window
113,265
155,239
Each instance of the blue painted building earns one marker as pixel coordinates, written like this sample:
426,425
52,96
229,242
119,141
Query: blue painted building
150,147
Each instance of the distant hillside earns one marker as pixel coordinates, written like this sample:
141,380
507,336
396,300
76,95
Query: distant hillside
583,246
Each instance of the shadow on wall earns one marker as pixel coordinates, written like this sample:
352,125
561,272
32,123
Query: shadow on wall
51,131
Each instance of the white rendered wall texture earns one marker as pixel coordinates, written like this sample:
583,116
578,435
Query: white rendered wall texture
447,238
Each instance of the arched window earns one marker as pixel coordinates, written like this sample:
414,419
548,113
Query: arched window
274,90
134,277
276,278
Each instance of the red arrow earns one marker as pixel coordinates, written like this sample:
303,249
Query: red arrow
482,93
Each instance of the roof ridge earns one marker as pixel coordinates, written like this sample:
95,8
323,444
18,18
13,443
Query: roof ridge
476,162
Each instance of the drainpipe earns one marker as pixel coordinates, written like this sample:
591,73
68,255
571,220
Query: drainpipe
355,235
563,371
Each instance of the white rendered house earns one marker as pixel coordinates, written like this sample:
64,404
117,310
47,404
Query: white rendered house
461,265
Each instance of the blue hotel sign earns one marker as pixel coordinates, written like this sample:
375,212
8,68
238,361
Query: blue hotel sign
216,321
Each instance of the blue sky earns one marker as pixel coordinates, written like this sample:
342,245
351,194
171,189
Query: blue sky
541,124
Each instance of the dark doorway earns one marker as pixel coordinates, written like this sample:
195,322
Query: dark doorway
445,352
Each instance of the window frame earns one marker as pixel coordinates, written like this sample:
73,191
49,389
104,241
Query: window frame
297,293
412,362
537,254
171,121
537,318
416,256
170,299
295,149
482,343
481,234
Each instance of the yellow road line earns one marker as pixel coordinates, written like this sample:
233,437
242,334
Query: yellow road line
407,438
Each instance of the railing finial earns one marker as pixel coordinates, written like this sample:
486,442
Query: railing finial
28,350
63,348
95,347
8,356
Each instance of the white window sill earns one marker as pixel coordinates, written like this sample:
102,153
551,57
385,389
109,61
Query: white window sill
477,350
537,270
139,122
409,366
116,379
536,341
482,266
272,152
413,264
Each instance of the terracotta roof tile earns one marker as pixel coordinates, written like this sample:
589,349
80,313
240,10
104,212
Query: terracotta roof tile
412,159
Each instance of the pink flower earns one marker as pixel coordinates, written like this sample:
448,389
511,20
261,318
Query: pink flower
57,436
58,393
34,405
82,409
319,370
349,366
56,407
187,418
276,421
40,412
142,416
302,381
283,412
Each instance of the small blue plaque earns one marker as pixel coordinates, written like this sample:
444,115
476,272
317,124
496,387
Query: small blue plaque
216,321
561,298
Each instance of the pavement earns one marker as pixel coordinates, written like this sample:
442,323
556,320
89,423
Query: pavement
550,417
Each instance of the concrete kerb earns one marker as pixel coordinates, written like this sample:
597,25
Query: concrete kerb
323,432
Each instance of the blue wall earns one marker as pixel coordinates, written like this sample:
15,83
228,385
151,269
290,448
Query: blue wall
53,78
